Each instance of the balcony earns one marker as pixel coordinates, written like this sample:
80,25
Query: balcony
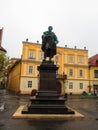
32,58
62,77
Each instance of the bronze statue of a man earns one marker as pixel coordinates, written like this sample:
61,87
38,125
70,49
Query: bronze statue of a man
49,41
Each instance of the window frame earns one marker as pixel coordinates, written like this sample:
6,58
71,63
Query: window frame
80,73
95,74
71,59
30,71
81,86
30,84
80,59
71,72
31,55
70,85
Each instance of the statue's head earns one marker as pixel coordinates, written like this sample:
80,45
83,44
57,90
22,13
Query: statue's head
50,28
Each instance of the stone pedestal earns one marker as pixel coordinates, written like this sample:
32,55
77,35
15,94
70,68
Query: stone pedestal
47,83
47,100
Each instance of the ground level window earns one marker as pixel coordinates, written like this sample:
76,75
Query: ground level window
81,86
70,85
29,84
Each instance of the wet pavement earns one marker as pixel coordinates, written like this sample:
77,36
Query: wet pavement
87,107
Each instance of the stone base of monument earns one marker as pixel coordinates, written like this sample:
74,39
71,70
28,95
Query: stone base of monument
45,105
18,114
47,100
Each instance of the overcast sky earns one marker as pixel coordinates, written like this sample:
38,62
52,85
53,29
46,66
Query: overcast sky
75,22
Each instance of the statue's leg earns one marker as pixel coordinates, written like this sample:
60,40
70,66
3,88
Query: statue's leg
50,56
44,56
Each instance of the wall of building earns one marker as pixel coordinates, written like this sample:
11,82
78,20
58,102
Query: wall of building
62,60
93,83
25,88
76,60
66,59
14,78
76,87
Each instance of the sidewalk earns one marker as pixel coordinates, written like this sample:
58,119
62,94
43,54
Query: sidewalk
89,108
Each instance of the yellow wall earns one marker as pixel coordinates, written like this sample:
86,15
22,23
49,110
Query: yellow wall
63,63
27,47
14,78
24,84
76,66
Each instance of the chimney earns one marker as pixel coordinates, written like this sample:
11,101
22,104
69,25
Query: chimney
75,47
27,40
84,48
65,46
37,42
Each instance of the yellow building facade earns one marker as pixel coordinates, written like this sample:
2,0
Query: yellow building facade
76,68
14,77
71,61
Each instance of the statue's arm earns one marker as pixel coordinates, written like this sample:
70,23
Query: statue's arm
56,39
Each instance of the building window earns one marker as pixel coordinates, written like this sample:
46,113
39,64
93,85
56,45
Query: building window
29,84
81,86
71,85
80,59
71,72
96,73
31,54
71,59
30,69
42,55
57,57
81,73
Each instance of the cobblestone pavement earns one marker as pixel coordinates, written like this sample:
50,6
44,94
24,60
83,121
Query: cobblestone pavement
87,107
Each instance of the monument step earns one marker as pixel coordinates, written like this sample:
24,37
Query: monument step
55,101
47,110
46,106
47,94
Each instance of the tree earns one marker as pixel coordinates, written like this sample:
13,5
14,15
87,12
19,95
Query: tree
3,63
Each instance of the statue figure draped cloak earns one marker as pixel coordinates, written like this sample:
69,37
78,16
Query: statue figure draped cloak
49,41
